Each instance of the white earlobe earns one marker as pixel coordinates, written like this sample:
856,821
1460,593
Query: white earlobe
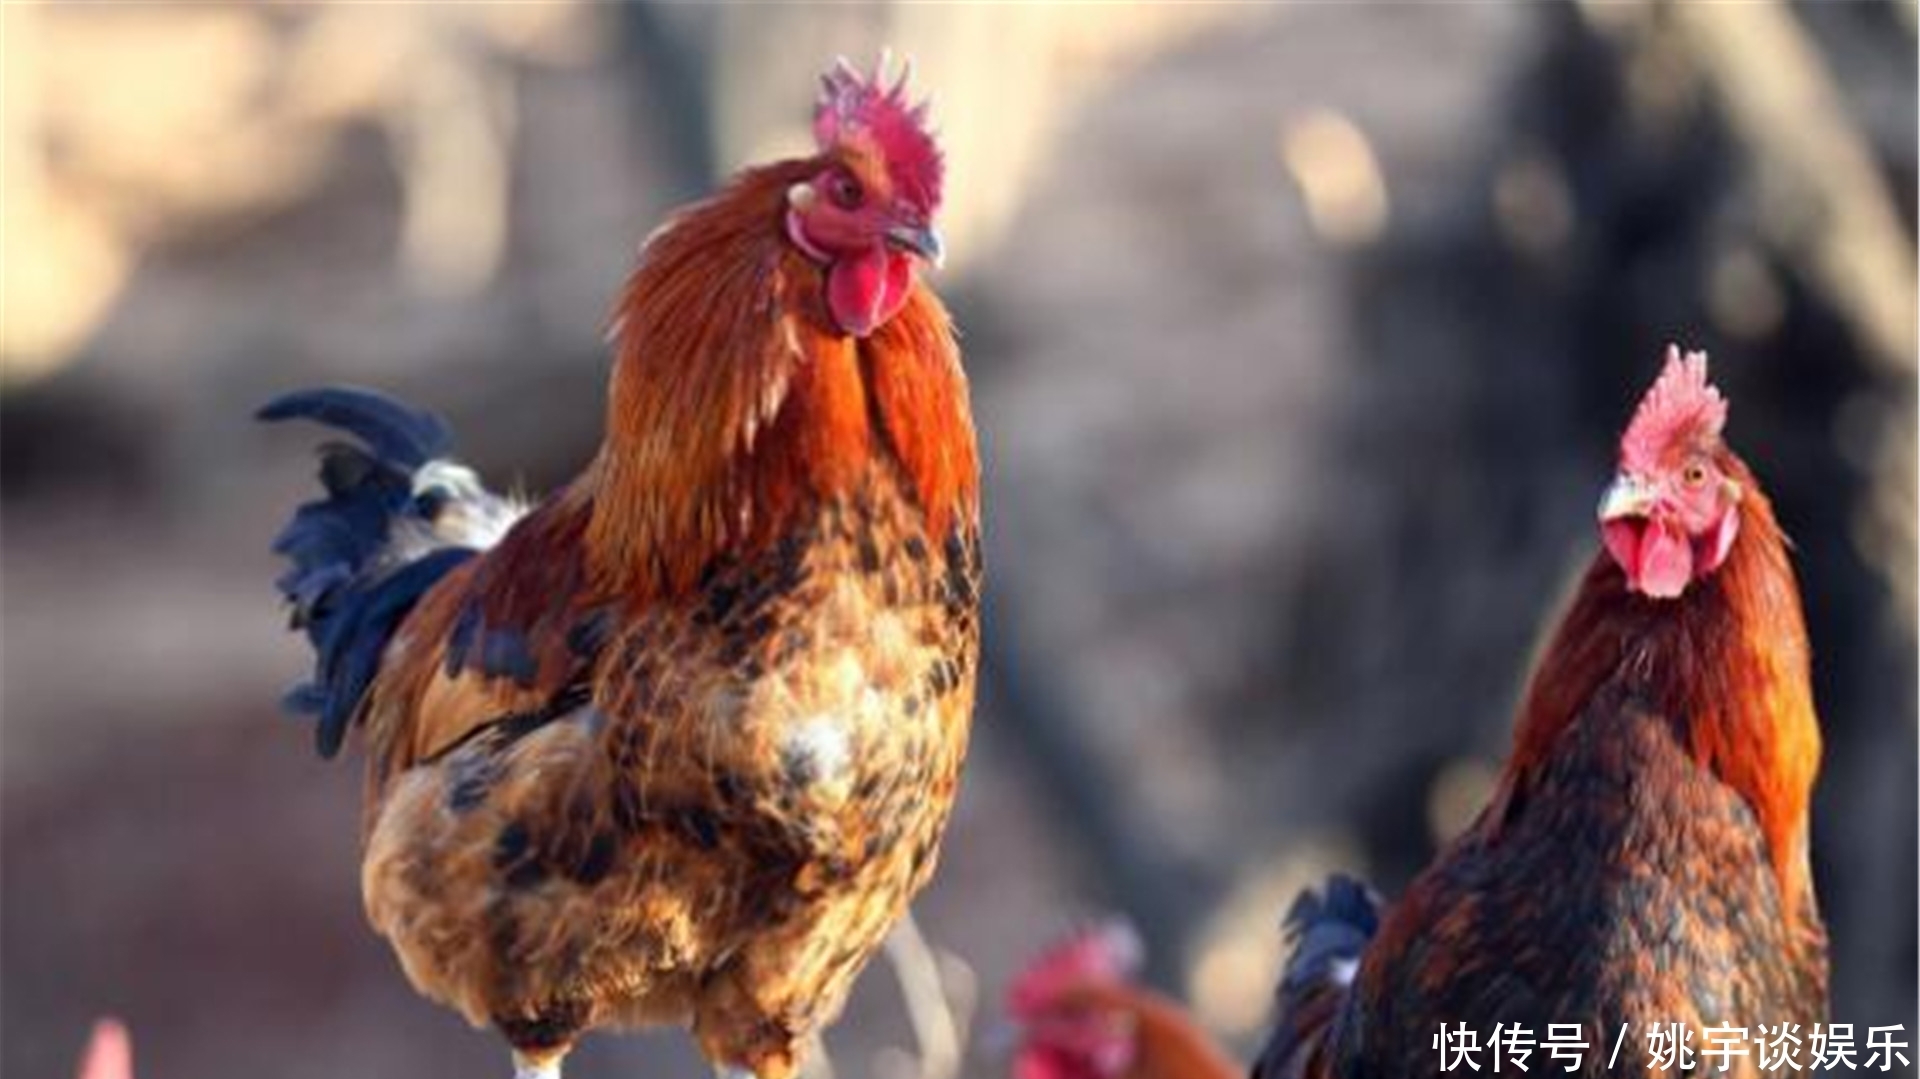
1719,541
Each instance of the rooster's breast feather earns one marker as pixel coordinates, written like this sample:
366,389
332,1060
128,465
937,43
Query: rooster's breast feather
738,775
1624,883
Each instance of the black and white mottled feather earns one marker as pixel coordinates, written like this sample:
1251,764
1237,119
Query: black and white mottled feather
398,514
1329,928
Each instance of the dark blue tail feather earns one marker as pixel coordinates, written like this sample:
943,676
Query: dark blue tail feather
347,586
1328,927
395,432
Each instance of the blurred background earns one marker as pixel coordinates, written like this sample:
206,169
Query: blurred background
1300,340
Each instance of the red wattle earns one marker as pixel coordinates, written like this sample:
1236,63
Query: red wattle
1666,561
865,290
1622,540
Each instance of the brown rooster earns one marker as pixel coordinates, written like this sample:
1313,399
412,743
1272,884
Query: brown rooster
1081,1015
676,745
1643,860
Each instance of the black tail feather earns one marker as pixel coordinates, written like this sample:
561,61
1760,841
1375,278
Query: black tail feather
395,432
348,586
360,630
1330,929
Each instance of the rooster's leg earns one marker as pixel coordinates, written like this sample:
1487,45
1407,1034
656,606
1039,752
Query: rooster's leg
817,1063
545,1066
939,1026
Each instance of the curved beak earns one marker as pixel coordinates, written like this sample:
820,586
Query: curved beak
922,240
1629,496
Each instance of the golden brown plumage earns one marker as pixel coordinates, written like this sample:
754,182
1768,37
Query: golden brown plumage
1644,857
680,747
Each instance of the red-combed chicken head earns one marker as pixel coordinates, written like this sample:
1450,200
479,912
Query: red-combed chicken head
1061,1005
1673,510
867,215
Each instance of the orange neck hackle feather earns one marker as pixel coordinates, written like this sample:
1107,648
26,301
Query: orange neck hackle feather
735,404
1090,973
1168,1042
1728,661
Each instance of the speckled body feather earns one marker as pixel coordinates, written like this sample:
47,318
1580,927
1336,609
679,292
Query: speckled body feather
1644,858
724,816
1627,886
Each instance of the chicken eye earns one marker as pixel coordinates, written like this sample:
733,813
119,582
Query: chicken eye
844,190
1694,474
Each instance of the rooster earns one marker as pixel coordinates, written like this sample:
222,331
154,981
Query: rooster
1081,1014
1643,858
677,745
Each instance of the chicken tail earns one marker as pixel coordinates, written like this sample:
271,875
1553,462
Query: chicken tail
398,515
1329,929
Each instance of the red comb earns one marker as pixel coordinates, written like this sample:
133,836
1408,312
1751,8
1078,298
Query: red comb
854,108
1103,953
1681,407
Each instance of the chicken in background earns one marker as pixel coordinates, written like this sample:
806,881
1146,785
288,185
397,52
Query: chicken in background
1080,1015
109,1052
1644,856
678,744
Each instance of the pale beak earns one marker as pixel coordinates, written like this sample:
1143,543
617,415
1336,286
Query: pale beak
999,1038
1629,496
922,240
